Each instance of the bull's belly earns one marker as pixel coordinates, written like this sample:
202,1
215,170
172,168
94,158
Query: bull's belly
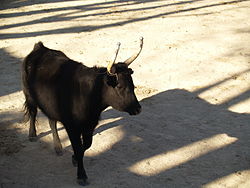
47,101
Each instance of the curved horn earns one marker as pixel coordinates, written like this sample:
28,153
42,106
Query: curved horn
112,63
132,58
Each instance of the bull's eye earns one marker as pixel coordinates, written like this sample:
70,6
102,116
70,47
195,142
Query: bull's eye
119,86
112,81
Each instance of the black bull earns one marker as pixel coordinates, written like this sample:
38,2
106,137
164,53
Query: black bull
69,92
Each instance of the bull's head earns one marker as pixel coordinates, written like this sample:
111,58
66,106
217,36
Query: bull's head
120,94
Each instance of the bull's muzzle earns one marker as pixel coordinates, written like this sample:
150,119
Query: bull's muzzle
135,109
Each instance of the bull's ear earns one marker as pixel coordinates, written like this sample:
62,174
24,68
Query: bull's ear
112,80
112,70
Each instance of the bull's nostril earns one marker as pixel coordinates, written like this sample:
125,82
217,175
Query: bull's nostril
139,109
134,109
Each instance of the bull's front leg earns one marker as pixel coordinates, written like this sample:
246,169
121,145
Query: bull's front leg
75,139
87,142
81,173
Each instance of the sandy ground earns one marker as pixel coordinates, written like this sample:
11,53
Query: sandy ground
192,78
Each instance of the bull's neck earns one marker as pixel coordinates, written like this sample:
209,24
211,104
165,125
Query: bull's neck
101,74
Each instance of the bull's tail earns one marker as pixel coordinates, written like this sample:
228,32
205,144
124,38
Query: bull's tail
30,110
28,74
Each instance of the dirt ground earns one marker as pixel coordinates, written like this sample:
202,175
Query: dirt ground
192,78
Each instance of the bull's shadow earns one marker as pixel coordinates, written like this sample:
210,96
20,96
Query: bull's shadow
171,121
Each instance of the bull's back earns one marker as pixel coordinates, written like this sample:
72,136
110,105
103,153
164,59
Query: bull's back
44,72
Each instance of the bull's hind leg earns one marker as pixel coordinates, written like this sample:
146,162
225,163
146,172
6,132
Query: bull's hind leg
31,111
56,139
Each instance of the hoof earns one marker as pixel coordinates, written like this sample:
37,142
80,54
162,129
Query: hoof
82,182
59,151
74,161
32,138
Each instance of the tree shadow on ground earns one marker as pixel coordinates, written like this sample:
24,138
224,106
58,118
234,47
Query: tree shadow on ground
166,145
10,75
9,142
181,120
124,7
7,4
